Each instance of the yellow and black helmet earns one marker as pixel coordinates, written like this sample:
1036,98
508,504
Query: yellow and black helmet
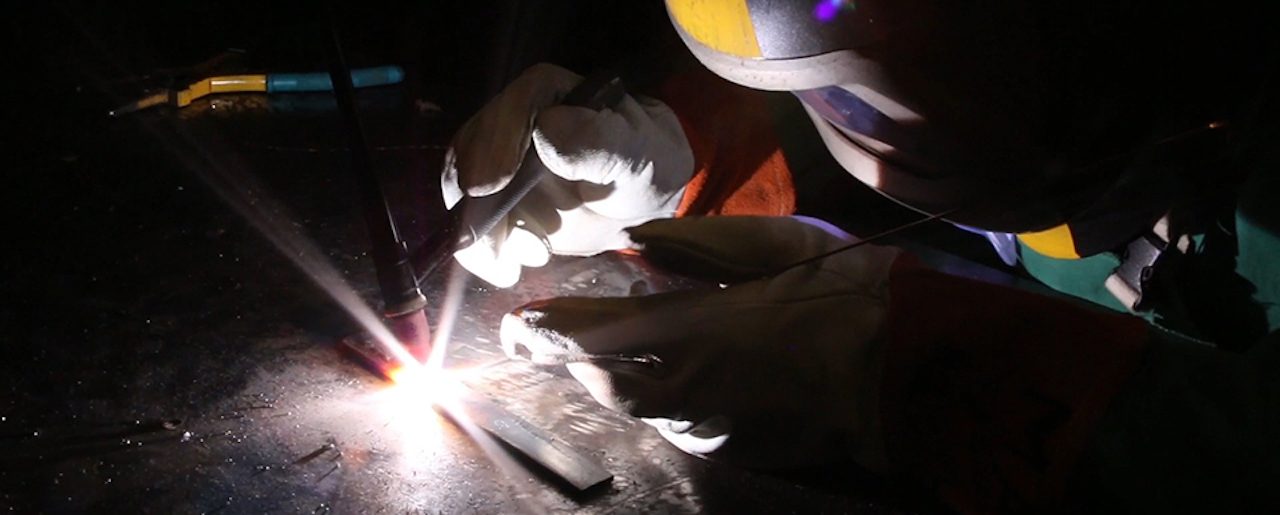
1073,123
776,45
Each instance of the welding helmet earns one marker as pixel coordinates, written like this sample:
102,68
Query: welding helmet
1049,119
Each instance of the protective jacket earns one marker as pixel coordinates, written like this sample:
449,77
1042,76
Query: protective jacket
999,399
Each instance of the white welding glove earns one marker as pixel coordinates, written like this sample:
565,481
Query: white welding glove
774,371
609,170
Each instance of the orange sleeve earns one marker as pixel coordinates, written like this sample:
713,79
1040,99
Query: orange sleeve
739,166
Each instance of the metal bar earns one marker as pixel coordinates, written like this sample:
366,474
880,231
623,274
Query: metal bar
571,465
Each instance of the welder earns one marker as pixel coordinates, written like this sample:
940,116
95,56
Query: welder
1119,151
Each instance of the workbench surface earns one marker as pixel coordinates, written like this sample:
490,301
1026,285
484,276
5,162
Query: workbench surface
167,358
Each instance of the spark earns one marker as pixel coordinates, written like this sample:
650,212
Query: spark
406,405
449,308
219,169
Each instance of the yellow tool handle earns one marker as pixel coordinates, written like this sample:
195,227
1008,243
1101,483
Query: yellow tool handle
224,84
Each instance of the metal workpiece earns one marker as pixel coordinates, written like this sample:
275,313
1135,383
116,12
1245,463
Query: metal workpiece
287,424
566,463
469,409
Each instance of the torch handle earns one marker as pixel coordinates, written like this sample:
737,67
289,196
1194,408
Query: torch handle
474,217
479,215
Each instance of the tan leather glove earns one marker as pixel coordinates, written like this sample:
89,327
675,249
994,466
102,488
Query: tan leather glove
610,170
772,371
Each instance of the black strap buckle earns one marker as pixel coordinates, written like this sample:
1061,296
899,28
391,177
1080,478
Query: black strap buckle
1140,261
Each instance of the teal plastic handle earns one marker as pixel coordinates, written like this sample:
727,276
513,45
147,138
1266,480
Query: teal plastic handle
360,78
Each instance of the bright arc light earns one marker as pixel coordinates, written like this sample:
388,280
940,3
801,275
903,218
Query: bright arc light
413,376
426,386
408,407
403,375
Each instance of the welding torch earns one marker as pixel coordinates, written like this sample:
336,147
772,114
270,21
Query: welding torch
403,303
474,217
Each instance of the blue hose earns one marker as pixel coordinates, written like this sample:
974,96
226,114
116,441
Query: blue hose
360,78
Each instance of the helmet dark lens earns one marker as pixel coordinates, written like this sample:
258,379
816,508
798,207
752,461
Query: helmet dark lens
845,110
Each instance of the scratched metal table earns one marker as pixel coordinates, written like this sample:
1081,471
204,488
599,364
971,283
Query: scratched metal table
307,431
167,359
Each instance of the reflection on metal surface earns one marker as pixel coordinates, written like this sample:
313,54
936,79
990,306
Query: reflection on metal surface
373,357
570,465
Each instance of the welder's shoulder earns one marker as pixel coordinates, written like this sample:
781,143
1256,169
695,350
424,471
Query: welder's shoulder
1227,291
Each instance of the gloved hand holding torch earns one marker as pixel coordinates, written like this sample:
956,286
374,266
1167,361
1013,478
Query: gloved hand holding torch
609,169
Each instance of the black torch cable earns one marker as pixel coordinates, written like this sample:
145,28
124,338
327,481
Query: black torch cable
870,239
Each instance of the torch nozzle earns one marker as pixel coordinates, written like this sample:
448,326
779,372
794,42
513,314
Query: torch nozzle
412,330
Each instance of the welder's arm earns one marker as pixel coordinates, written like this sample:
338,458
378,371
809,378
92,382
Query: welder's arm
997,399
1003,400
1195,431
609,169
864,355
714,151
773,371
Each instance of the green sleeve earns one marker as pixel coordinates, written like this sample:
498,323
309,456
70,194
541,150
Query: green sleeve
1228,291
1082,278
1195,430
1257,230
